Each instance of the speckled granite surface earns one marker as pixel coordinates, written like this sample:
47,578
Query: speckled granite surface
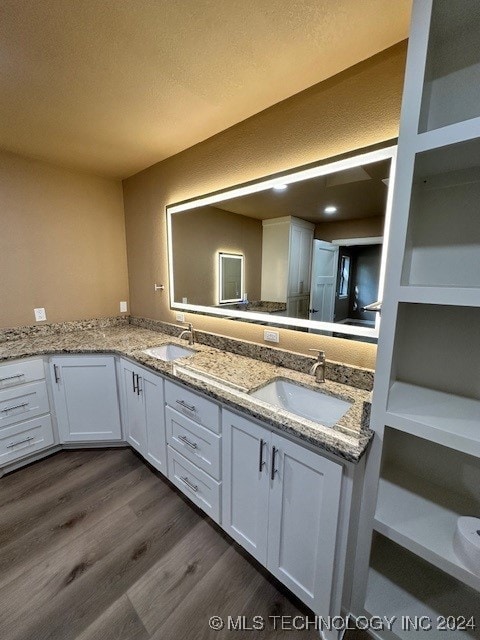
336,372
51,328
348,439
262,306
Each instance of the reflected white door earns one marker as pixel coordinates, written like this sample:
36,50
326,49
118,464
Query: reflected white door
324,280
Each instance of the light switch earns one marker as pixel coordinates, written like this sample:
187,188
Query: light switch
180,316
40,314
123,306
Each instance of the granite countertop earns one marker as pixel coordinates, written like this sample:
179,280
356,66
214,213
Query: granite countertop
221,375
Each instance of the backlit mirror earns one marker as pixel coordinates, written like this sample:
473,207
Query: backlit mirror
304,249
230,275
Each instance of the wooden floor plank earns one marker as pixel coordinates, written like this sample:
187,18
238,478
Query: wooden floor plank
23,514
45,473
119,622
168,583
118,488
90,582
222,592
120,555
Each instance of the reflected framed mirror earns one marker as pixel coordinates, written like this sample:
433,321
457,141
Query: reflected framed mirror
230,276
303,249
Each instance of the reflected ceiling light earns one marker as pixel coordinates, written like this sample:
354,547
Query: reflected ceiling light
280,187
330,209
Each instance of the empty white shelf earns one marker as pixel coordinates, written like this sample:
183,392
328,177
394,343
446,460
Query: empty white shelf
450,420
399,584
448,135
452,75
422,517
458,296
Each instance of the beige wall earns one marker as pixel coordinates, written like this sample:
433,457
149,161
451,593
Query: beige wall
356,108
198,237
62,243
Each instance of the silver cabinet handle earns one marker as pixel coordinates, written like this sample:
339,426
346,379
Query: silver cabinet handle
191,486
261,462
17,375
274,471
55,373
133,383
14,444
182,403
17,406
184,439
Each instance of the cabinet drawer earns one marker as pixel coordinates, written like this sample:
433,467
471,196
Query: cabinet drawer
194,442
203,490
23,402
195,407
20,372
25,438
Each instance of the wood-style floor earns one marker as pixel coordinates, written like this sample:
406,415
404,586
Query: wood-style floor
95,545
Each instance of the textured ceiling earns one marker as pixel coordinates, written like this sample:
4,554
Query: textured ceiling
113,87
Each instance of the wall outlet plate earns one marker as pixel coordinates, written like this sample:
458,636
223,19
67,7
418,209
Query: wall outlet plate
180,316
271,336
40,314
123,306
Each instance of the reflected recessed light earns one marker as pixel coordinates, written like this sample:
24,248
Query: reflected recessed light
280,187
330,209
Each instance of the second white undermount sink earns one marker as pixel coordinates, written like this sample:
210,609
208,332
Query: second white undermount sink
169,352
303,401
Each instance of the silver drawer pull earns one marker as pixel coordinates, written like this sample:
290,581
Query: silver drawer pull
191,486
17,375
14,444
184,439
17,406
182,403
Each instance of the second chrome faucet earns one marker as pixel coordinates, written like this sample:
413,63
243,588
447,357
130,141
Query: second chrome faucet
190,333
318,368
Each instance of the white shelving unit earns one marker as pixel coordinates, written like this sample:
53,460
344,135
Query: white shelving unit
423,470
418,505
401,584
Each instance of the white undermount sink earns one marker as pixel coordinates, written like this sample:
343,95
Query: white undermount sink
303,401
169,352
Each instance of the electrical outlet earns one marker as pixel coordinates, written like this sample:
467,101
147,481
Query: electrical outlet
123,307
184,300
271,336
40,314
180,316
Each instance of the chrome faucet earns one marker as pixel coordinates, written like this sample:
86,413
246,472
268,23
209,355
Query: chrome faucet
318,368
190,333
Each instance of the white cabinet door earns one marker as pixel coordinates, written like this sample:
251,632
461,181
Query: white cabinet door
246,454
86,399
151,388
300,259
303,515
144,417
134,418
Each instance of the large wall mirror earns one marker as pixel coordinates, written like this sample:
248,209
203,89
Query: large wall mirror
304,249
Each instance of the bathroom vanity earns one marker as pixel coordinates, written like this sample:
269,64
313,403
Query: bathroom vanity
280,483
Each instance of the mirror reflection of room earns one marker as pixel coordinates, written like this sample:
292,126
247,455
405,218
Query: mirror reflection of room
312,249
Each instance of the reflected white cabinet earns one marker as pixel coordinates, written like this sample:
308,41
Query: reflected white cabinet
287,245
86,400
300,257
144,414
281,503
